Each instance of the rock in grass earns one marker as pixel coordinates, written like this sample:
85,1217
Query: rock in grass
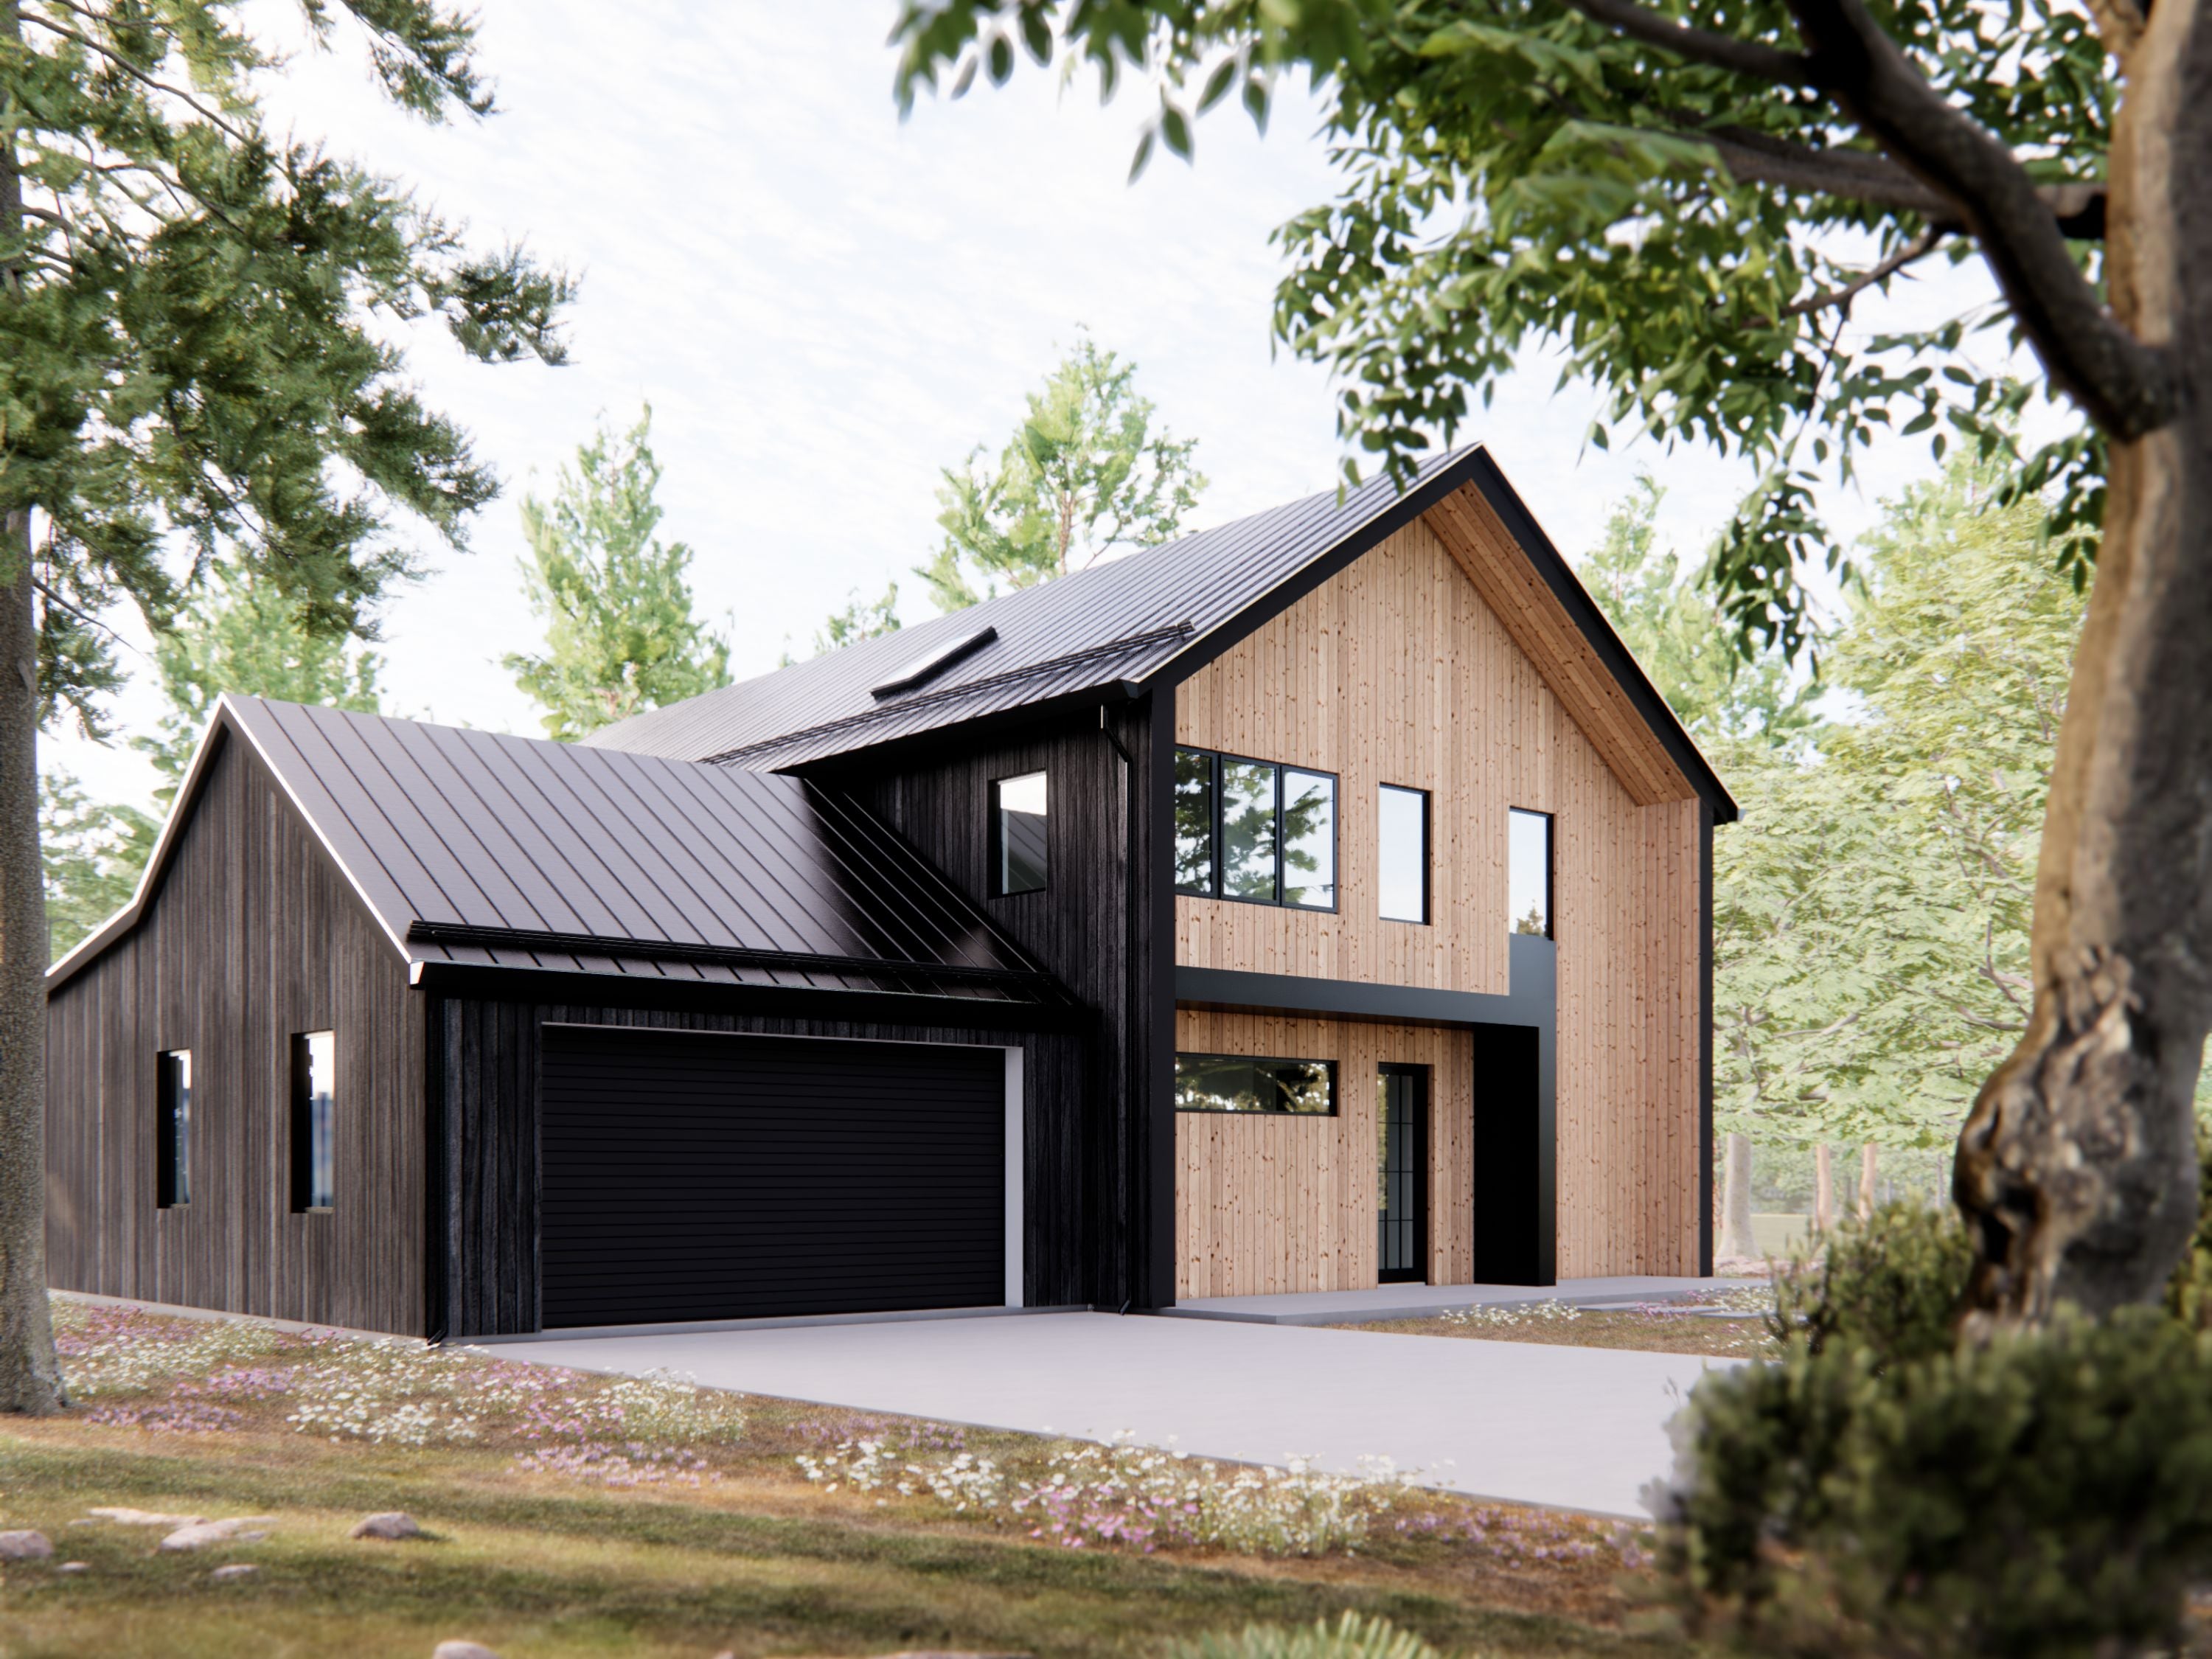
462,1650
239,1528
127,1517
72,1567
389,1525
24,1546
235,1570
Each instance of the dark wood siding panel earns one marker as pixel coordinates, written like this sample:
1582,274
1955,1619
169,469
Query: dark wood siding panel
488,1057
253,936
1096,926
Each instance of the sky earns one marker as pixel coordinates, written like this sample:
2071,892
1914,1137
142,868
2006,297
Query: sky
825,306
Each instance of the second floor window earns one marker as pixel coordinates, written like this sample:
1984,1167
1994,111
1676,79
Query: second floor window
1018,825
173,1127
1529,871
1402,840
1255,830
314,1149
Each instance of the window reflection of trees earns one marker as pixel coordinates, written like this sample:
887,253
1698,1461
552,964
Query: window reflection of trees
1248,830
1194,821
1309,839
1238,1082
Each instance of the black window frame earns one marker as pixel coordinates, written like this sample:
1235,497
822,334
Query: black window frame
996,884
1330,1066
301,1124
1427,917
173,1152
1551,871
1219,757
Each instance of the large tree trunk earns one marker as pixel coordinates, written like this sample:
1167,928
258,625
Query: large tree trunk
1737,1242
2077,1169
30,1379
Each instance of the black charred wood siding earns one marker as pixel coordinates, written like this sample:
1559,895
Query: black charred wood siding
1101,1145
251,937
487,1057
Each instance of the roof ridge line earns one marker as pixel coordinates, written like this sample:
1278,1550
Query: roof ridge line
868,716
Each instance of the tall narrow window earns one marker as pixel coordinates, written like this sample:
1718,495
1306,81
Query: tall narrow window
173,1127
1247,831
1402,833
1529,872
314,1166
1017,824
1194,821
1309,840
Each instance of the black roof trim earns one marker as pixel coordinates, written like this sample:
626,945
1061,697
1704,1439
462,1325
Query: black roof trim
933,663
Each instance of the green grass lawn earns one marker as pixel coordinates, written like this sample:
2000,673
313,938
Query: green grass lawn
722,1542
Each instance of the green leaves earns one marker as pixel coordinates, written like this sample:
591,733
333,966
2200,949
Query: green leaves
620,634
1087,472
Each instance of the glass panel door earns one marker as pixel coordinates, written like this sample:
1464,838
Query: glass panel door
1401,1177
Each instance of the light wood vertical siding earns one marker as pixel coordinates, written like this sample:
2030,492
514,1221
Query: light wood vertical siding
252,936
1397,670
1268,1204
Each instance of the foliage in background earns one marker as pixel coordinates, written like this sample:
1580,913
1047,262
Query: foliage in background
92,854
620,634
861,619
1350,1637
1884,1489
194,346
1642,197
1087,471
245,636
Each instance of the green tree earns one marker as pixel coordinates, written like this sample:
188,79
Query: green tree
620,635
92,854
1084,473
1689,204
861,619
244,636
195,368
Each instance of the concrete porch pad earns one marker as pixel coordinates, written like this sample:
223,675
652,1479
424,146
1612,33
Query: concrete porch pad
1426,1301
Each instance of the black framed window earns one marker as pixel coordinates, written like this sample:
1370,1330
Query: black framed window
314,1097
1529,871
1255,830
173,1127
1251,1083
1402,822
1018,816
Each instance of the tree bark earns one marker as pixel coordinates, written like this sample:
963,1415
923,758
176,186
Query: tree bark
1866,1169
1737,1240
2077,1169
30,1377
1824,1188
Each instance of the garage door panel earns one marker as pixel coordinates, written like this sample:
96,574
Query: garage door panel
693,1176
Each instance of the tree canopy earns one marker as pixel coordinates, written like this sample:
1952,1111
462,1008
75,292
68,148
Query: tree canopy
1088,470
620,632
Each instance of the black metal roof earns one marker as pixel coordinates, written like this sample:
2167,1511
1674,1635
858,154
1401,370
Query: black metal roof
1153,616
481,849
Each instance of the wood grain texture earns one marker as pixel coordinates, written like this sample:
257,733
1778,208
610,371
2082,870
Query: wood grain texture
1268,1204
251,937
1399,671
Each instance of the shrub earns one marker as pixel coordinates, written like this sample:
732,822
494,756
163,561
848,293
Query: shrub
1350,1637
2189,1292
1888,1285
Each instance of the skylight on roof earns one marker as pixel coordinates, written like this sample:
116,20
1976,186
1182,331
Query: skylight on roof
928,667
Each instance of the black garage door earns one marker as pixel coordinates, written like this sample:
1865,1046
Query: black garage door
691,1175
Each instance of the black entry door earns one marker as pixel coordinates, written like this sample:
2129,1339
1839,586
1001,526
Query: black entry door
1401,1205
691,1175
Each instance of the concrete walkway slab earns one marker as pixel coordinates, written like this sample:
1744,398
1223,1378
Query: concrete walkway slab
1426,1301
1575,1428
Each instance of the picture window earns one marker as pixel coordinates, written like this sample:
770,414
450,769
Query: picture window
1246,1083
1255,830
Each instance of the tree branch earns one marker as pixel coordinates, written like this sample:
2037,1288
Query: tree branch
1761,63
2126,387
1919,248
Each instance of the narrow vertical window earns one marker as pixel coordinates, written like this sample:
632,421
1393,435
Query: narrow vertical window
1309,839
314,1166
1248,831
1194,822
1529,872
1402,835
1018,825
173,1127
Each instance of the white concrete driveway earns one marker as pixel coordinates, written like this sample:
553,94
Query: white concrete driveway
1578,1428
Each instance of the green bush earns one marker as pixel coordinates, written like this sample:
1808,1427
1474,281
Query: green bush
1350,1637
2189,1292
1877,1489
1888,1285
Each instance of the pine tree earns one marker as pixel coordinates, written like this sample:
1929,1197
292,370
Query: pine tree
92,855
620,634
196,370
1084,473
